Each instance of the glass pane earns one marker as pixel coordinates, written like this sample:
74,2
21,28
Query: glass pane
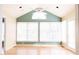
64,31
50,32
21,31
32,31
39,15
71,33
44,31
55,29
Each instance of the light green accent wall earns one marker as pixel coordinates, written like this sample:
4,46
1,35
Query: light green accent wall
28,17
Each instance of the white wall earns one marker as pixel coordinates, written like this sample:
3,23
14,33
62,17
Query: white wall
77,28
71,32
68,29
0,28
0,31
10,29
10,32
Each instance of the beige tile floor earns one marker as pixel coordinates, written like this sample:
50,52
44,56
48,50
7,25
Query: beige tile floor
38,50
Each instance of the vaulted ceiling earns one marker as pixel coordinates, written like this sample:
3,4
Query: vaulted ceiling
15,10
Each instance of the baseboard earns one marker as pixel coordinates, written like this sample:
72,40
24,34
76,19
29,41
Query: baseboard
5,50
64,45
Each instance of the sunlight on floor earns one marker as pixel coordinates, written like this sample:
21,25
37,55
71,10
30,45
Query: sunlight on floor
38,50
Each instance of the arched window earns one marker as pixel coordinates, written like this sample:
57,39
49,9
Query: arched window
39,15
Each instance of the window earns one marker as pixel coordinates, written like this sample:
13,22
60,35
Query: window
50,31
39,15
27,32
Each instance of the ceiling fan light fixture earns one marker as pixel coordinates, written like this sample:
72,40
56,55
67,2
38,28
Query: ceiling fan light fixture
57,7
39,9
20,6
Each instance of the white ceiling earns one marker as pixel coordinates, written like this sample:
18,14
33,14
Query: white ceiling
14,10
